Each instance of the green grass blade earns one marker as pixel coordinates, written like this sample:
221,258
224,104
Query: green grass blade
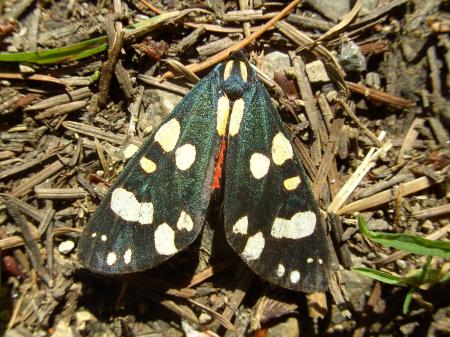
89,47
379,275
408,299
408,243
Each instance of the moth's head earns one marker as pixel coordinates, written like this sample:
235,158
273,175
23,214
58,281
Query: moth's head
236,76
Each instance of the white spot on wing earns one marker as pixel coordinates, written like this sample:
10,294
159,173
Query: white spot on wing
241,226
185,222
259,165
280,270
236,116
111,259
320,261
165,240
125,205
168,134
104,237
294,276
127,256
94,235
147,165
254,247
223,111
302,224
185,156
309,260
281,149
291,183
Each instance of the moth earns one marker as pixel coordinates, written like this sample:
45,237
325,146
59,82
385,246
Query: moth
226,135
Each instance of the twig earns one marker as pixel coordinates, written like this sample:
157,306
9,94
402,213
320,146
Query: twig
32,248
196,67
367,164
384,197
379,96
364,128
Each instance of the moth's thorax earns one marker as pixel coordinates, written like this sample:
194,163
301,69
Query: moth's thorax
235,75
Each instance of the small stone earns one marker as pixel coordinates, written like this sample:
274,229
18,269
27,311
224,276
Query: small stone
401,264
288,328
66,247
351,58
82,318
129,151
26,69
373,80
378,225
204,318
275,61
316,72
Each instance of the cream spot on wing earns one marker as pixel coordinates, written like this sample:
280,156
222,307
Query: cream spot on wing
236,117
281,270
302,224
93,235
168,134
320,261
254,247
147,165
104,238
291,183
223,111
294,276
111,259
241,226
259,165
125,205
281,149
243,69
227,70
127,256
309,260
130,150
165,240
185,222
185,156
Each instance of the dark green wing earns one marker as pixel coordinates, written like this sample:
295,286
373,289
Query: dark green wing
271,218
157,206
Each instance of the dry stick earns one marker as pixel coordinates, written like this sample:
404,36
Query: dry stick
222,320
366,165
108,68
240,292
93,131
310,105
209,272
347,18
38,178
365,129
61,110
196,67
379,96
382,185
400,254
32,248
17,241
432,212
410,138
243,4
384,197
328,157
